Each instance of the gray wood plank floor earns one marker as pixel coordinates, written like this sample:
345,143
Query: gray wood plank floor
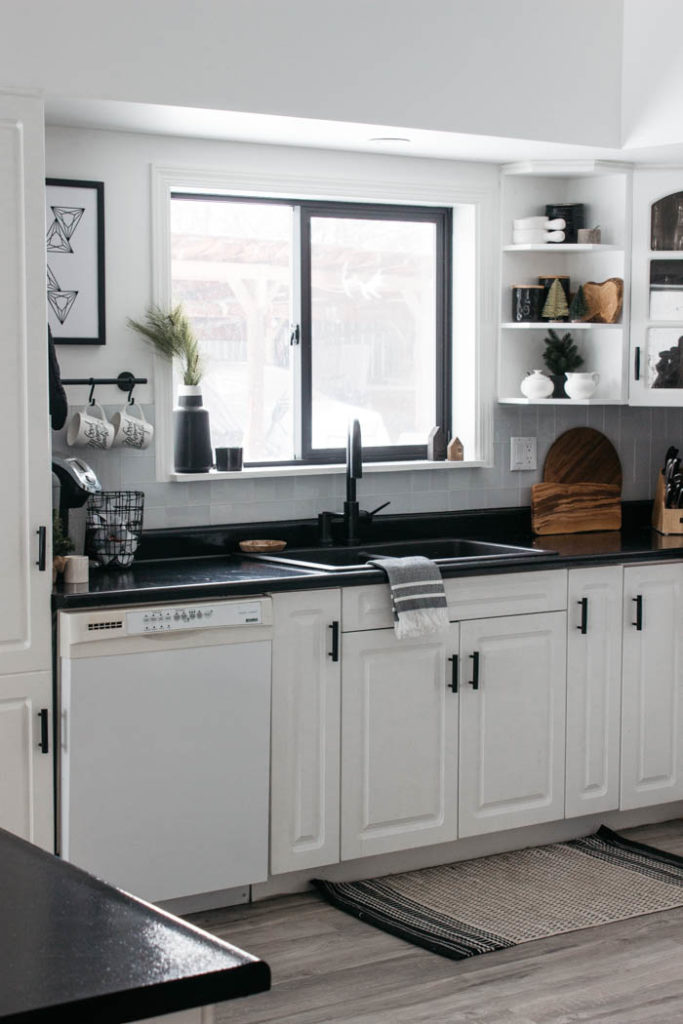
329,968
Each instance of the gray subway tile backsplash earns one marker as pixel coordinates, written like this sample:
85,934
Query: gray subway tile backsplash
640,435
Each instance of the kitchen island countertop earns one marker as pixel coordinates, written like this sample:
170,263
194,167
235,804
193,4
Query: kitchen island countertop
73,948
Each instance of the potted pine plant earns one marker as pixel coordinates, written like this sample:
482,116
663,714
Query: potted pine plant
172,335
561,356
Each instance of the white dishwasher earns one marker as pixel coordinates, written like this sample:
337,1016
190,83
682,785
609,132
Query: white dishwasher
164,738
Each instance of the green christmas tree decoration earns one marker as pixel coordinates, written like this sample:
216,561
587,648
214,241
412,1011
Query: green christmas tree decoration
578,309
61,543
561,354
555,307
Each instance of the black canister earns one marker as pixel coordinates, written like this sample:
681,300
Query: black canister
192,449
571,213
527,302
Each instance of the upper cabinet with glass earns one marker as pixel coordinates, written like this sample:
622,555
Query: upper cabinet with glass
600,192
656,372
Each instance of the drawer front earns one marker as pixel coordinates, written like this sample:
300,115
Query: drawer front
472,597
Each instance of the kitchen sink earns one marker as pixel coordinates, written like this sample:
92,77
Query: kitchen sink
444,550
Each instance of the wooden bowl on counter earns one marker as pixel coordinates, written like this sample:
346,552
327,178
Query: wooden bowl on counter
262,547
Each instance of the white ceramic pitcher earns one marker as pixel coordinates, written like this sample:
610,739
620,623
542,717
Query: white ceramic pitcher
581,385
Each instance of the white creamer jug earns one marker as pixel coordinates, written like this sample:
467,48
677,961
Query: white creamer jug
581,385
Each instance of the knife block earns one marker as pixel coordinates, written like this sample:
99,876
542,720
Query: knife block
665,520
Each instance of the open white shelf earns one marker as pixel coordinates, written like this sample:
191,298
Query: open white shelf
566,325
604,189
563,247
561,401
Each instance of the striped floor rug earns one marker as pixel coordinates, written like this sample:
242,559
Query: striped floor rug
470,907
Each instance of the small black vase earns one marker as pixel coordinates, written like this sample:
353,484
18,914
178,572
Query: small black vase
559,380
192,448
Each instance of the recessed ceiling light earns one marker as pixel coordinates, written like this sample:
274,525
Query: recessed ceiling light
389,138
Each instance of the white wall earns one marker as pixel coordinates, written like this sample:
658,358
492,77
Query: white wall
123,161
532,69
652,73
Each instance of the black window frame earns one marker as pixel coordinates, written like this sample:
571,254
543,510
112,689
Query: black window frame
306,210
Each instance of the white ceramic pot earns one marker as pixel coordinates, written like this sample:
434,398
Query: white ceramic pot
536,385
581,385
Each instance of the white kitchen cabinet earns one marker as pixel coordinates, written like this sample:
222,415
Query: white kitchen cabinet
25,636
652,696
304,814
657,301
25,536
605,190
399,741
26,773
512,722
594,635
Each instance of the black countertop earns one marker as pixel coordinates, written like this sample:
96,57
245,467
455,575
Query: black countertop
196,565
75,949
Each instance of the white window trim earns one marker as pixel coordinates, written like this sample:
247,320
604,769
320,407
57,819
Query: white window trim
483,200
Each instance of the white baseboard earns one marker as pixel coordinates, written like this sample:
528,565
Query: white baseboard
465,849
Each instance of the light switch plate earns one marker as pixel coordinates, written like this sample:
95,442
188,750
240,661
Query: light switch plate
522,453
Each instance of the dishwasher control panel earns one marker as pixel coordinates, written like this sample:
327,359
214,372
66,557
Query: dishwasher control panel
165,619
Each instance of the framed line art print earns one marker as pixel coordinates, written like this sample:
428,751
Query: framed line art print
75,261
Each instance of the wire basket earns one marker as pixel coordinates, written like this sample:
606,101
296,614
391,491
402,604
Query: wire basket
113,526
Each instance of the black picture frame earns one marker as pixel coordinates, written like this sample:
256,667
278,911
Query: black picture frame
75,261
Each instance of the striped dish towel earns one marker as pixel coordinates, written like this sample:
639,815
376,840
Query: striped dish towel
418,599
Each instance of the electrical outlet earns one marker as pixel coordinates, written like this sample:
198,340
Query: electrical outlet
522,453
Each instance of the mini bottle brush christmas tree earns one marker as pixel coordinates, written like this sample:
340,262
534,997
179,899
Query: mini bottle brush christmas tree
561,356
578,310
555,307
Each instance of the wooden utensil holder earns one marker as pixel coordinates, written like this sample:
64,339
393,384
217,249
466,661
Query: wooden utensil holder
575,508
665,520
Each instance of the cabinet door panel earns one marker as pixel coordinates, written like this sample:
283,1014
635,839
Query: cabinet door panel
593,689
26,792
652,737
305,732
24,444
399,742
512,725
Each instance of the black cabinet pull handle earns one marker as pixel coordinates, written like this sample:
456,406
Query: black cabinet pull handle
42,547
453,685
639,612
334,653
636,367
474,681
584,615
44,743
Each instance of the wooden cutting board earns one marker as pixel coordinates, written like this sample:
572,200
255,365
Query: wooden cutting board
581,492
582,456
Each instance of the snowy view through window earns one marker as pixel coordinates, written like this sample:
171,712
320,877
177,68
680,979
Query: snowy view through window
372,324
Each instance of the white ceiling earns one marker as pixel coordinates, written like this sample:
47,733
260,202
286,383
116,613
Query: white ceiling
235,126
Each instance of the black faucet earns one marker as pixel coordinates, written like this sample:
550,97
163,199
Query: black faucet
352,513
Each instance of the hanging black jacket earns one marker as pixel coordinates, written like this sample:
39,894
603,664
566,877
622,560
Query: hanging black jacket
58,401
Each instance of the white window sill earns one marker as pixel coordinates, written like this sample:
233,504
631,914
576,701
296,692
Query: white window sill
266,472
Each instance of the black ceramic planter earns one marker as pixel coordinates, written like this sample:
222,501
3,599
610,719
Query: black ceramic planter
559,380
192,449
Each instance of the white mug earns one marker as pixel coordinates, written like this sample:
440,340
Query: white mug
87,430
131,431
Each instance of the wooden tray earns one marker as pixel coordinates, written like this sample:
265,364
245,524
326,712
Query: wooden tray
575,508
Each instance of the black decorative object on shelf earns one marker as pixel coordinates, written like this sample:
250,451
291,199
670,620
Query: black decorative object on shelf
571,213
192,445
527,302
